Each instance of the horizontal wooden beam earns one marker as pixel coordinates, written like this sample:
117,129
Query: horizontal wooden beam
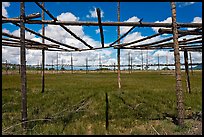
83,23
28,40
137,41
187,32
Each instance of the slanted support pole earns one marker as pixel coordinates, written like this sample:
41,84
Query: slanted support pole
191,64
100,26
43,52
23,67
179,92
118,55
187,71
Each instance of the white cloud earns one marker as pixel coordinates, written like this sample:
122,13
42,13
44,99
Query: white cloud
184,4
98,31
168,20
124,29
93,13
4,11
197,20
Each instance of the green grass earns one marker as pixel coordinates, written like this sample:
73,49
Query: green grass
153,94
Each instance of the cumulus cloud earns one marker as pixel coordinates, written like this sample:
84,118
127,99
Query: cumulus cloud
4,11
184,4
124,29
93,14
168,20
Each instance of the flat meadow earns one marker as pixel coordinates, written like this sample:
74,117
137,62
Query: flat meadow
76,103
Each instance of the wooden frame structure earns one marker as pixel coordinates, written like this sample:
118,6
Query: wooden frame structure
59,46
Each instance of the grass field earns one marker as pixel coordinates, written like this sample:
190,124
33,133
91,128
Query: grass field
75,103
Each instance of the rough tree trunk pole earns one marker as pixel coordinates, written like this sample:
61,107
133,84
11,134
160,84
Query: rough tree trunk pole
23,67
158,63
191,64
142,58
179,92
118,55
188,85
6,68
43,52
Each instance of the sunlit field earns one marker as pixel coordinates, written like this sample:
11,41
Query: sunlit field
76,103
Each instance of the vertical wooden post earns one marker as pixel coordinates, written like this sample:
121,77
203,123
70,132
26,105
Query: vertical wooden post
107,123
43,52
57,62
191,64
6,68
142,58
179,92
62,68
72,64
147,61
118,55
52,67
158,63
114,67
19,69
188,86
23,66
129,62
86,65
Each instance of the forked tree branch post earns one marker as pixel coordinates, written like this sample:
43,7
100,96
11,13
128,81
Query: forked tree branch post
179,92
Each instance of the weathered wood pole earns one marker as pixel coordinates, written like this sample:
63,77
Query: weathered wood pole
179,92
52,67
72,64
86,65
6,68
191,64
188,86
142,58
57,62
158,63
118,55
107,122
114,67
129,62
147,60
23,67
43,51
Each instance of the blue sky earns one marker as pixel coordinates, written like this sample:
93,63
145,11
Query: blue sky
81,11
